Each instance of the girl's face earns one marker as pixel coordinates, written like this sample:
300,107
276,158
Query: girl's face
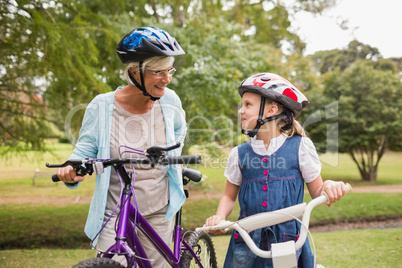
250,108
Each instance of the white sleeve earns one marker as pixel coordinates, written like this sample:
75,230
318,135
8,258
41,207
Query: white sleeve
232,171
309,163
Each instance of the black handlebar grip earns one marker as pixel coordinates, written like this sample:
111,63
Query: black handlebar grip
185,159
55,178
192,174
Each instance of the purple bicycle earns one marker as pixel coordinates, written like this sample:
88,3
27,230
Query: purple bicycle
193,250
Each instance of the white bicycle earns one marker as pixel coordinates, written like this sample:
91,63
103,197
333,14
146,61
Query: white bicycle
283,254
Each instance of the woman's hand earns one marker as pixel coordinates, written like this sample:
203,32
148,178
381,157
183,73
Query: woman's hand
68,175
335,190
212,221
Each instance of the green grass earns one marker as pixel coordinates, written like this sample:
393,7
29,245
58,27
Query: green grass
374,248
24,164
43,258
353,207
44,187
31,234
342,167
61,225
344,249
379,248
43,225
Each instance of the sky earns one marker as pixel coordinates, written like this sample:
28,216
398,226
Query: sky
377,23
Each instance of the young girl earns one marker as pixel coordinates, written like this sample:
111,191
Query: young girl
268,172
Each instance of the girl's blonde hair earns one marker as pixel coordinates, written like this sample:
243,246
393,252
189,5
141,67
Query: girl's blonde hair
154,63
295,129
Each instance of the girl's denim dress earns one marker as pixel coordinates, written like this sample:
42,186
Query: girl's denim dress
269,183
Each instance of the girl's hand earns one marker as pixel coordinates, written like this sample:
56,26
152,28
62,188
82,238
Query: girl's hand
335,190
212,221
68,175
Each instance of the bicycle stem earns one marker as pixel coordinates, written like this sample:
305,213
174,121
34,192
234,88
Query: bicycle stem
306,219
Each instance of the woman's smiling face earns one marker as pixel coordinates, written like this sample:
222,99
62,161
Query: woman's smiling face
155,85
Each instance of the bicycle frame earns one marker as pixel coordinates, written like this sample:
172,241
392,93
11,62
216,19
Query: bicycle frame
127,241
130,221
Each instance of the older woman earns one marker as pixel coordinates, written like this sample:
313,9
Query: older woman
141,114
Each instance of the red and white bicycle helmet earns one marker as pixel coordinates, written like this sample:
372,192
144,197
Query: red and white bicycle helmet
274,87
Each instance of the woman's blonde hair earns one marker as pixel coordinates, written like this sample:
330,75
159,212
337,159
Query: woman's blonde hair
295,129
154,63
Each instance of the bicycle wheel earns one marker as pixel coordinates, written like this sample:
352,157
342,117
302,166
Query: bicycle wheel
99,263
203,247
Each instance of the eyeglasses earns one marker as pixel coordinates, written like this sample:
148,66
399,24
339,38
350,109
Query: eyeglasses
162,74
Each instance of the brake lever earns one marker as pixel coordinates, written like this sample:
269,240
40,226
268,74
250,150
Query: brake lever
81,167
158,149
155,153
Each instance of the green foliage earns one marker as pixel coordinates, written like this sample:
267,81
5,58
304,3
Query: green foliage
329,60
53,57
362,105
59,54
209,75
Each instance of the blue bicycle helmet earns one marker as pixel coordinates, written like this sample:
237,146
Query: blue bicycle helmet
146,42
143,43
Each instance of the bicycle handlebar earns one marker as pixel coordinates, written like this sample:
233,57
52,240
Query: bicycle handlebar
265,219
88,166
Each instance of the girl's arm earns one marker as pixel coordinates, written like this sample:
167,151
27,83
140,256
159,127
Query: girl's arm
334,189
225,206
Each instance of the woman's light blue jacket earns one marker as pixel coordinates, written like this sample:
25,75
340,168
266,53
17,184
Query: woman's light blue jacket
94,142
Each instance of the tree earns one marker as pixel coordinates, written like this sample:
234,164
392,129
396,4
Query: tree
58,54
368,104
221,53
208,87
53,57
328,60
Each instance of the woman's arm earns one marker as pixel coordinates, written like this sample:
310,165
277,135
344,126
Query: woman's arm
86,146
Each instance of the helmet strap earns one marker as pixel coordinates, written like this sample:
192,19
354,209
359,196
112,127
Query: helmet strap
261,121
288,119
141,87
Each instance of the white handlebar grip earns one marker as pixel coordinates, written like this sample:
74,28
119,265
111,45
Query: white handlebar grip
348,188
222,225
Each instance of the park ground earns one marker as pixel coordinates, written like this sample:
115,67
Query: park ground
364,224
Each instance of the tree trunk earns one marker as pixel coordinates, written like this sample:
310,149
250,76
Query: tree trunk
367,165
369,175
